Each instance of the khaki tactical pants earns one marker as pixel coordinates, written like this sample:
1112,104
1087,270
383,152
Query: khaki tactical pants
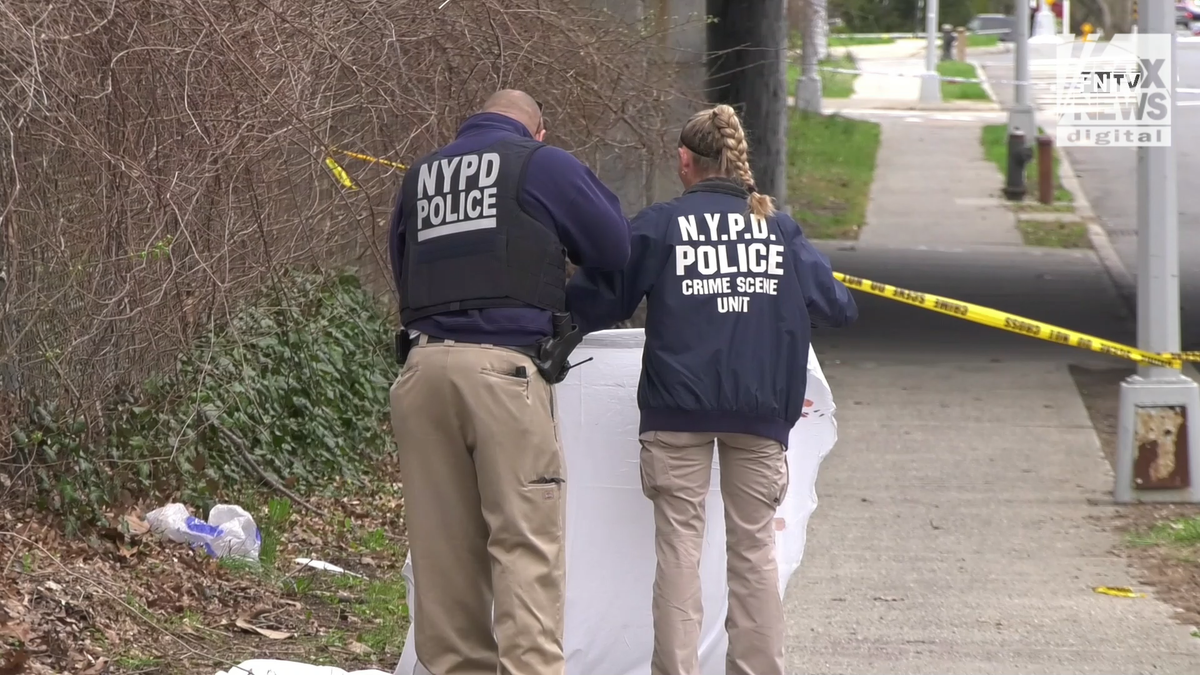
485,505
676,471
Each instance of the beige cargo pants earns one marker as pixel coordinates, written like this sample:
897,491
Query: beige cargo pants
484,500
676,472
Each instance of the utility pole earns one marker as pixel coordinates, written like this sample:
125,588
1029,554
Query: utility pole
931,86
1158,449
808,87
1066,4
1021,115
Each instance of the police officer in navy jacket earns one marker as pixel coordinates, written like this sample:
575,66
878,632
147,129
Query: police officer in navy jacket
733,289
479,239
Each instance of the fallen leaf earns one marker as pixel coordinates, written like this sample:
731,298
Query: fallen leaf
18,632
134,526
14,663
100,667
358,648
244,620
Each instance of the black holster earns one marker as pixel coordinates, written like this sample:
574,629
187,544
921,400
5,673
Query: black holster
404,345
550,354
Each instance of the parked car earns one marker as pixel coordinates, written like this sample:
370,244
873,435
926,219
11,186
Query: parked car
1186,13
993,22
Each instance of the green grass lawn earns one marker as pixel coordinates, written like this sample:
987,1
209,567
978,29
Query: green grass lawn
960,91
995,149
851,41
1054,235
831,164
833,85
982,40
1180,532
844,41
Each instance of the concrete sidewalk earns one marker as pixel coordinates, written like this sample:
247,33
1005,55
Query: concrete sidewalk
961,520
892,80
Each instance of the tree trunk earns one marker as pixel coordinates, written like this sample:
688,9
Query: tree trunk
746,66
820,10
795,14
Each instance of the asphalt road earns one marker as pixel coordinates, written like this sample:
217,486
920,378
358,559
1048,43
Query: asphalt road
1108,176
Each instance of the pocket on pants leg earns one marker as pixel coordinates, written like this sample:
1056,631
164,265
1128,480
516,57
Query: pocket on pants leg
650,468
785,479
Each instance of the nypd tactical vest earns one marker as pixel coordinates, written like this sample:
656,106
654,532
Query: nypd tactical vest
468,242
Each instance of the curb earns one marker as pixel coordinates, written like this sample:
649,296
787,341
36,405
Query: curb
1122,280
984,81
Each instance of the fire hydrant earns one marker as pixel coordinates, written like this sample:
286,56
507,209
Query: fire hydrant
1019,154
960,44
947,41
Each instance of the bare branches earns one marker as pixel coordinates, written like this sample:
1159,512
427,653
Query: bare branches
160,159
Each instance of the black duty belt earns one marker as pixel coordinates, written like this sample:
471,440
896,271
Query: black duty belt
531,350
549,355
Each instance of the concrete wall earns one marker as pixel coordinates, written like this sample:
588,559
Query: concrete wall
638,179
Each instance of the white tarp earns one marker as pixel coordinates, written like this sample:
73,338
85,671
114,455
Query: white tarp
276,667
610,523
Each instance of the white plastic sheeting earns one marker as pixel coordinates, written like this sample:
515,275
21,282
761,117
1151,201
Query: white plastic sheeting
610,523
275,667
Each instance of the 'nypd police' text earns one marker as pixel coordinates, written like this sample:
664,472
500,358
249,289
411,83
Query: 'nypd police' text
456,194
732,271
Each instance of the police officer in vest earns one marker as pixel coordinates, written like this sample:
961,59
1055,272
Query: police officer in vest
479,238
733,291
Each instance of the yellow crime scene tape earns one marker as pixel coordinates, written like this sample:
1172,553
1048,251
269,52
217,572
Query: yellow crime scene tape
343,177
1016,324
955,308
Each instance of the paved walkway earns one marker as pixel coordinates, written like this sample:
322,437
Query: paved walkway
892,80
960,527
934,186
894,63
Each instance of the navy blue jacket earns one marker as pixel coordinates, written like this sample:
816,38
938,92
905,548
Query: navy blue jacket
560,192
731,301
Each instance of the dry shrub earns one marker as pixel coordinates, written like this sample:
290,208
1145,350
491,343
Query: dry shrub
163,159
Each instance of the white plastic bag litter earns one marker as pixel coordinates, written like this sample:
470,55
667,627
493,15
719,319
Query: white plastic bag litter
273,667
610,524
229,531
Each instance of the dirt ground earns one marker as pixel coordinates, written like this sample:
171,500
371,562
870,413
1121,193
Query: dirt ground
1170,566
123,601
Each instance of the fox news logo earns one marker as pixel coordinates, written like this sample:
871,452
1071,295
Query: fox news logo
1116,94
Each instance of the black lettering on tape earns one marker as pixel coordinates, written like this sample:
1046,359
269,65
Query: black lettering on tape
1115,351
1084,343
911,296
878,287
852,281
1024,327
955,308
1060,337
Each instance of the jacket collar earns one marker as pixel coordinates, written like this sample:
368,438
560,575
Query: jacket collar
725,186
492,122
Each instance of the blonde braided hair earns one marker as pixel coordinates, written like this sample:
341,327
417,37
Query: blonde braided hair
718,143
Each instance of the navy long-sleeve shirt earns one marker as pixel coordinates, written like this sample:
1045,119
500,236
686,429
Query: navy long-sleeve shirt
560,192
